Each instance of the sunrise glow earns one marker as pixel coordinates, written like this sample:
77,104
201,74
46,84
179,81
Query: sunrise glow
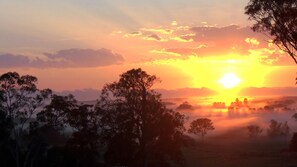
229,80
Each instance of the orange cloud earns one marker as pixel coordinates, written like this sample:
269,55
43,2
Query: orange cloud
166,53
252,41
133,34
179,39
158,30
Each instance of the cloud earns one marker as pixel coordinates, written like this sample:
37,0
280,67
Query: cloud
180,39
165,52
154,37
174,23
133,34
269,91
252,41
158,30
228,37
186,92
185,41
70,58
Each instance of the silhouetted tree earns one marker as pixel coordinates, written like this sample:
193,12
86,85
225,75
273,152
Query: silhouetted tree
200,126
254,130
81,120
185,106
278,18
20,100
293,144
137,127
5,126
278,129
55,114
294,116
85,139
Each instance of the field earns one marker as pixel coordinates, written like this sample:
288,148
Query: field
236,151
229,145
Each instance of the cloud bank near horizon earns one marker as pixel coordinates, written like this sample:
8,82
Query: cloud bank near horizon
69,58
93,94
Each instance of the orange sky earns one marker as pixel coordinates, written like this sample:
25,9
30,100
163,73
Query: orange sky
192,44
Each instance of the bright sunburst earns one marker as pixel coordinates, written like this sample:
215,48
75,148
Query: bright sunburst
229,80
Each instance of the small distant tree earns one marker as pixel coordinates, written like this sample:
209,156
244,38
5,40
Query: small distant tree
185,106
278,129
274,128
285,129
254,130
294,116
200,127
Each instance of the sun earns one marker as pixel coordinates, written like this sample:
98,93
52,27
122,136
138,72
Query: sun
229,80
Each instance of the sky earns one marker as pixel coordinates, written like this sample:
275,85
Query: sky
84,44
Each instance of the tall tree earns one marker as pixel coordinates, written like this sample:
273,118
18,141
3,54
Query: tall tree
137,127
277,19
20,100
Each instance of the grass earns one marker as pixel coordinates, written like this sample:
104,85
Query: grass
230,150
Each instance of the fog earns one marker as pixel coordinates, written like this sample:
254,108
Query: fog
258,111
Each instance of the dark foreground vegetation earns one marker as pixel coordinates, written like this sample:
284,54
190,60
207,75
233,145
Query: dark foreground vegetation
128,126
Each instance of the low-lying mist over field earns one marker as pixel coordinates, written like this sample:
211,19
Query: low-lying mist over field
238,115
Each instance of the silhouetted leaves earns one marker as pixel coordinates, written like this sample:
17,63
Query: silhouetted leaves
200,126
254,130
278,129
278,18
20,100
135,121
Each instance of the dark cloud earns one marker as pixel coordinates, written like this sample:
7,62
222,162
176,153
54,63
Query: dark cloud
11,60
155,37
70,58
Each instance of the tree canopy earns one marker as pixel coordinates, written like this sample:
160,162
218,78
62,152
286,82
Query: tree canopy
200,126
138,128
20,100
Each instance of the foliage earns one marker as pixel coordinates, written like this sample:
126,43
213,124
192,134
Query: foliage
293,143
278,129
19,102
137,127
55,114
254,130
294,116
200,126
278,18
83,145
185,106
